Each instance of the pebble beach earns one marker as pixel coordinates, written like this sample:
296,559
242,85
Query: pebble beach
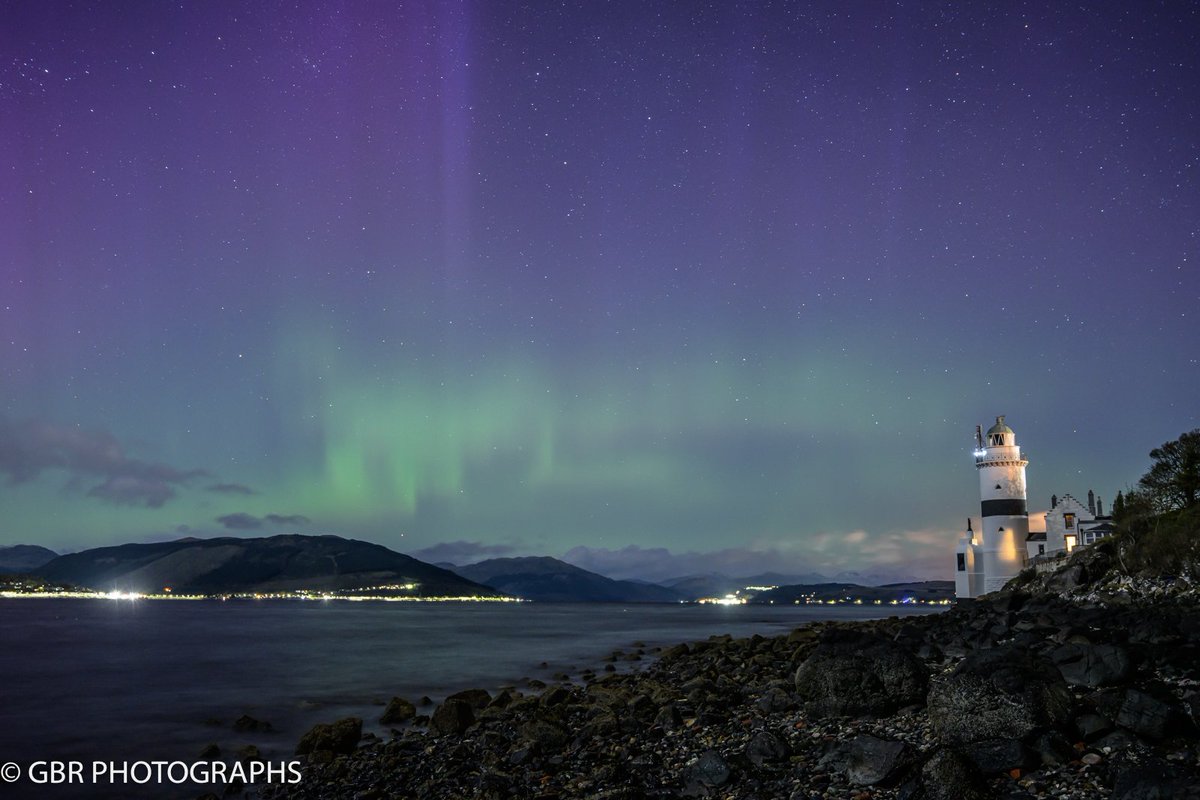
1015,695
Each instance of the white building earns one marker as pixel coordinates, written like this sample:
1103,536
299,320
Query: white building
1071,524
988,560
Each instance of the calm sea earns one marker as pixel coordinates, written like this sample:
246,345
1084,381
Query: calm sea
143,680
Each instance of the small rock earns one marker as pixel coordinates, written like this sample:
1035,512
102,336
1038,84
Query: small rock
397,711
248,723
555,696
544,735
1052,749
668,717
710,769
766,748
1092,726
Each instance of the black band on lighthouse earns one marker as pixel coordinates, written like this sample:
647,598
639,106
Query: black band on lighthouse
1004,508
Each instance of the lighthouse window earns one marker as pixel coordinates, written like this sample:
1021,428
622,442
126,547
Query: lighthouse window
962,562
997,486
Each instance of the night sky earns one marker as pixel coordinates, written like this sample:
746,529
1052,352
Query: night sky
732,281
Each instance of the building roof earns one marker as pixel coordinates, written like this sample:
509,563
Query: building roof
1040,536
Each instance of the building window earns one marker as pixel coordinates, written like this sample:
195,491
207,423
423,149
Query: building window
1041,549
962,562
1069,521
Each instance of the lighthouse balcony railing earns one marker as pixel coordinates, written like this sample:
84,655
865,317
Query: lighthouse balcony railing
989,458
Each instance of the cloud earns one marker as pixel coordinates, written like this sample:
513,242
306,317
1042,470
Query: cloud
461,552
287,519
128,490
230,488
240,522
31,447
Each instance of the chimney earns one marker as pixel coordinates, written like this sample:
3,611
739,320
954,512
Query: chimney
1099,507
1053,502
1091,502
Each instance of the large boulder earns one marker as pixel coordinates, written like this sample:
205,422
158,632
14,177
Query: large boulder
545,735
1092,664
993,756
1153,779
1003,693
339,738
851,673
477,699
451,718
946,775
870,761
1150,716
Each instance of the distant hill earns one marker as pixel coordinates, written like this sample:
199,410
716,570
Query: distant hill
277,563
694,587
550,580
917,590
23,558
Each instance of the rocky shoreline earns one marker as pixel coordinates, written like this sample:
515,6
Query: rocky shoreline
1016,695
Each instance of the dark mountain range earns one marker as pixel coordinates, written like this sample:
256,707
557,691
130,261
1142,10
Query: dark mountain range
22,558
550,580
272,564
917,590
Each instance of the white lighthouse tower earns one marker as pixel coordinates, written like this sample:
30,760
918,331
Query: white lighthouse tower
1001,551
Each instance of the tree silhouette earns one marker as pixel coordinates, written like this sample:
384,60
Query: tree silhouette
1173,481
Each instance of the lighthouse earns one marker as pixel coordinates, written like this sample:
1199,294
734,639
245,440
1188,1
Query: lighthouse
1000,552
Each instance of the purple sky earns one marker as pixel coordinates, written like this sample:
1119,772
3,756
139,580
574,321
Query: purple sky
736,279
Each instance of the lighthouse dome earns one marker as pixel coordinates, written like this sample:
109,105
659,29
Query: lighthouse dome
999,427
